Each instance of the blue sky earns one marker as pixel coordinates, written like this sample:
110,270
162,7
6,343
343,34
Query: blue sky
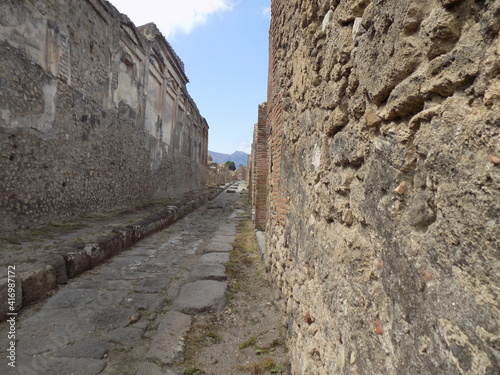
224,47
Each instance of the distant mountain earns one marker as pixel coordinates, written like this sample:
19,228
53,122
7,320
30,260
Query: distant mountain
238,157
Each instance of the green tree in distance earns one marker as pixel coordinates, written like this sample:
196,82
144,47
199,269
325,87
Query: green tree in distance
230,165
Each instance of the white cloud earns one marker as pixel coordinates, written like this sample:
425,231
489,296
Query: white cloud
172,16
266,13
246,145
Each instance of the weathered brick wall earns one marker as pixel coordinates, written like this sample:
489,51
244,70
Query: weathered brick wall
93,112
259,169
382,229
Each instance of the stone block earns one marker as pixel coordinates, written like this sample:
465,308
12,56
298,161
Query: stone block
214,258
58,263
201,296
128,236
76,262
112,245
168,343
36,283
96,254
207,271
217,246
226,230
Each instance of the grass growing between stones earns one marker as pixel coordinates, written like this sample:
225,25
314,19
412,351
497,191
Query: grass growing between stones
247,338
244,251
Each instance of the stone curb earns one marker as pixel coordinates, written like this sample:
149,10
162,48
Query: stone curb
63,264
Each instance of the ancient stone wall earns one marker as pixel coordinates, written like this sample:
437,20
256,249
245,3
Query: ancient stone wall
93,112
383,195
219,174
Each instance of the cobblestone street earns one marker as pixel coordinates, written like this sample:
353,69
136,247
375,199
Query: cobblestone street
137,305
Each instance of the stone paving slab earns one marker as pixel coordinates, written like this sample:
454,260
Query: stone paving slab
125,336
67,366
57,327
201,296
153,369
143,302
214,258
71,298
91,347
217,247
100,283
224,238
207,271
228,228
110,318
153,283
168,344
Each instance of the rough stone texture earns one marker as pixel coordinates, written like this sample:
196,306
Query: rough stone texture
94,112
168,344
201,296
91,347
57,262
207,271
154,369
226,229
223,238
215,246
36,283
214,258
125,336
382,230
261,244
65,366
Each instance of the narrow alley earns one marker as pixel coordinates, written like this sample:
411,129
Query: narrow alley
138,304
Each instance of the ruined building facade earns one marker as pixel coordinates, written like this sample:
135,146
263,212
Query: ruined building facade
218,174
94,112
383,184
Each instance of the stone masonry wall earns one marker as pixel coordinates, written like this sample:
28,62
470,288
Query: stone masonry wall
94,112
384,184
218,174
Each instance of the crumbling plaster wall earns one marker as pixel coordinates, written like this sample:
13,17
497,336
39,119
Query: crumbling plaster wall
383,192
94,112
